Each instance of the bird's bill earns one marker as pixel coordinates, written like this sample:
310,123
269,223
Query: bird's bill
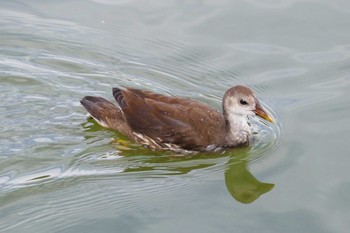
259,111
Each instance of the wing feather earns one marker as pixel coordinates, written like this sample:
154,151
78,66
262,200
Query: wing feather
167,119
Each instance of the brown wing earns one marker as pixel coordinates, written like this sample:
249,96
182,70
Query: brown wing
165,119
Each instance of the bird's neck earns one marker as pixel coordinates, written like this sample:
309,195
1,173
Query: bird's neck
238,130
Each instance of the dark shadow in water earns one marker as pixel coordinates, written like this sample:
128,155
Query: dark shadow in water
240,183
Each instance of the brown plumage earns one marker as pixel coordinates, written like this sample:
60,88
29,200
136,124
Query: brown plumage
165,122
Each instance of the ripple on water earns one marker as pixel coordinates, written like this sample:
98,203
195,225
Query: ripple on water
133,189
54,160
283,73
321,57
259,48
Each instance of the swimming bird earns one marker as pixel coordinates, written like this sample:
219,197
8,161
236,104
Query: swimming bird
178,124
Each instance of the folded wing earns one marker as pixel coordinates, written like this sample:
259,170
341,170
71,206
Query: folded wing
169,120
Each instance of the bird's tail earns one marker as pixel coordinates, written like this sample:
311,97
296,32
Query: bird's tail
104,112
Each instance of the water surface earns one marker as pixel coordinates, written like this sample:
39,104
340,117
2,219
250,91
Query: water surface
61,172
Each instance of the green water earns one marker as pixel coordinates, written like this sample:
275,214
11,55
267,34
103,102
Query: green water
61,172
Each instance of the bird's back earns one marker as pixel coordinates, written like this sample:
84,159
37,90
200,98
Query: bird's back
160,121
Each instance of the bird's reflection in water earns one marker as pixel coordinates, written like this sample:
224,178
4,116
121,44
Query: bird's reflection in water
240,183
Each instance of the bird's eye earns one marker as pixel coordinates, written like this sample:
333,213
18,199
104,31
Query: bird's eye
243,102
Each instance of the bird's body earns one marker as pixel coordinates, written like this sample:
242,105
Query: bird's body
173,123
